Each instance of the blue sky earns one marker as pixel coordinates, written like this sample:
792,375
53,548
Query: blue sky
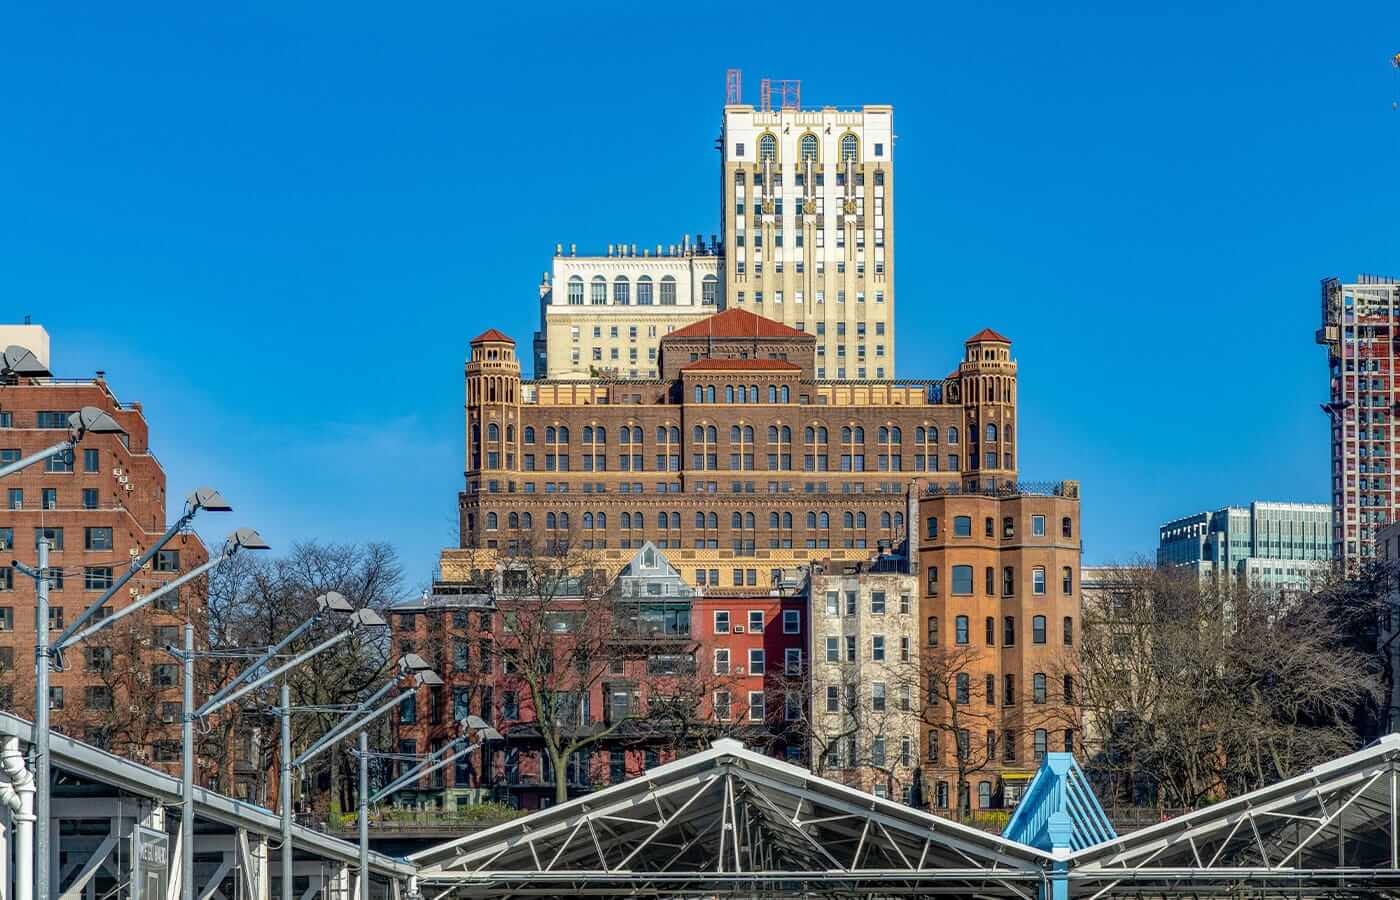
279,225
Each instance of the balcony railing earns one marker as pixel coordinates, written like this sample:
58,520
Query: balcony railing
1067,489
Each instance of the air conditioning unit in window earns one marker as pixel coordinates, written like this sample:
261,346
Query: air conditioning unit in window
738,629
131,487
122,479
117,471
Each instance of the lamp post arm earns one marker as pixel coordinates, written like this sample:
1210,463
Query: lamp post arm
262,660
426,767
214,705
117,585
345,728
31,459
368,701
143,602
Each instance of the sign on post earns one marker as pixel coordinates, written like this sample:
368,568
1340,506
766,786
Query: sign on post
150,863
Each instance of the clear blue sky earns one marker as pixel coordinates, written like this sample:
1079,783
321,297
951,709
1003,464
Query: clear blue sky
278,226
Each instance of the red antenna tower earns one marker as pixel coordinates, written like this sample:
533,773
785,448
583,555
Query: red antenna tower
789,94
733,86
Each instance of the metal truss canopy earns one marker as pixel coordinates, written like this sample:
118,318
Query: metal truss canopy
731,820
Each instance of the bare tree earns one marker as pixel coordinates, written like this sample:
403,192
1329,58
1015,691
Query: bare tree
957,719
1193,690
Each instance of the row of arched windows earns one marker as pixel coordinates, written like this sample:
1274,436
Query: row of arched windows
813,434
647,292
807,147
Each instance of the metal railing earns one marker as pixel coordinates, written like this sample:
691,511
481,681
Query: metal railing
1067,489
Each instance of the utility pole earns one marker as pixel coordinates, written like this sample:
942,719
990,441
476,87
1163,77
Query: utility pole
43,797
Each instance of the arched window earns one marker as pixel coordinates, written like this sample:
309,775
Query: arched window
514,520
699,394
736,520
491,521
991,431
675,520
1037,629
626,520
885,520
1069,631
787,520
529,434
848,148
1066,527
772,434
527,521
848,519
714,520
773,520
960,629
600,434
1066,580
807,148
896,435
563,434
787,434
824,520
550,435
622,291
709,291
729,393
811,520
845,433
785,395
564,520
668,291
510,433
767,148
748,520
493,432
952,434
661,520
711,434
644,295
860,434
772,393
549,520
601,520
599,291
700,520
884,435
735,434
748,433
575,291
860,520
588,434
588,520
1038,687
710,394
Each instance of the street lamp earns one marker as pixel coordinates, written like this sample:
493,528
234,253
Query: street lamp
205,498
88,420
328,602
409,664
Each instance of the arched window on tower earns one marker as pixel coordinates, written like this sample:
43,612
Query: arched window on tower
767,148
849,147
808,148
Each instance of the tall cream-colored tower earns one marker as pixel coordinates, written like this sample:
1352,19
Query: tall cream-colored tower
808,229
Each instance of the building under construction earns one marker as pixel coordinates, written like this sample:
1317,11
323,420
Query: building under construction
1359,323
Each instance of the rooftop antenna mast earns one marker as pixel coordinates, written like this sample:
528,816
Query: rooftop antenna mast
733,86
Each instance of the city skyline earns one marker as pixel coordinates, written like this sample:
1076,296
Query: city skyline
249,288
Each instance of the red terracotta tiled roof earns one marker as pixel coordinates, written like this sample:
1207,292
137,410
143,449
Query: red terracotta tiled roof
732,365
987,334
956,373
491,334
737,323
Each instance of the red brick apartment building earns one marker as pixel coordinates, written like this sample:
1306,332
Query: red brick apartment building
100,506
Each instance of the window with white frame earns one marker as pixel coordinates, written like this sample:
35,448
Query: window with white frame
721,621
722,661
756,661
757,710
833,649
756,621
792,621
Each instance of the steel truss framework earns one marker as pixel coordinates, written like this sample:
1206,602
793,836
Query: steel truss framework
728,820
1329,832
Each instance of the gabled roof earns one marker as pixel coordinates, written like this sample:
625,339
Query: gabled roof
736,323
740,365
729,815
987,334
492,334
